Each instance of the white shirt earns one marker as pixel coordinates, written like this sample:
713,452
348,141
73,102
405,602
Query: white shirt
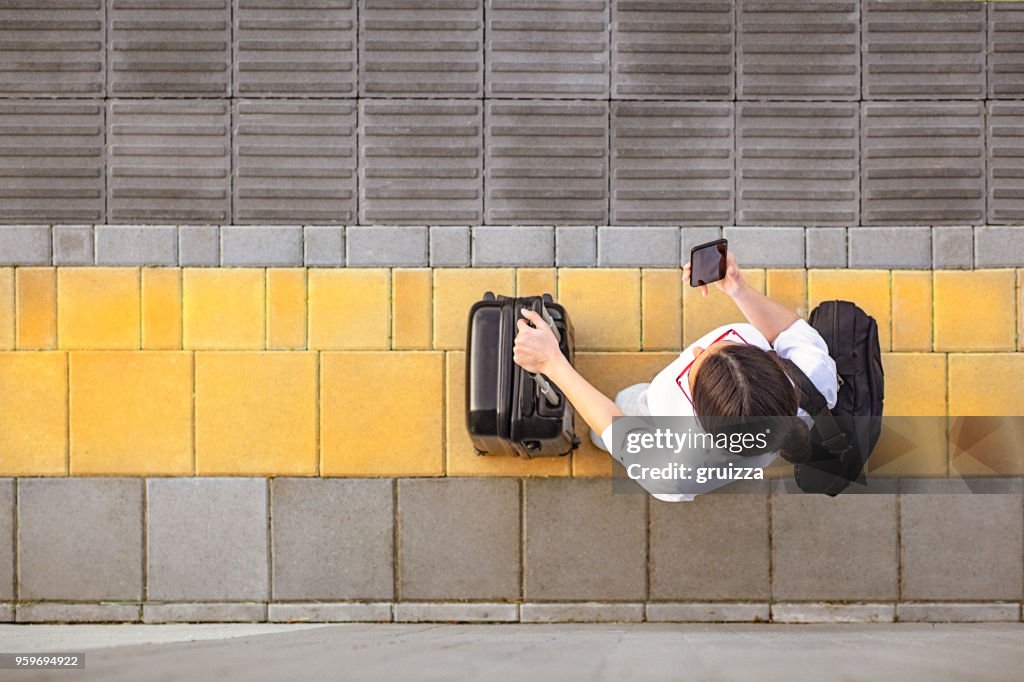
799,342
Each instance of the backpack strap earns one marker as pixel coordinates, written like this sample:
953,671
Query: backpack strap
814,403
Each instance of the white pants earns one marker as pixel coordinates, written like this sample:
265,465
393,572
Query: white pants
632,400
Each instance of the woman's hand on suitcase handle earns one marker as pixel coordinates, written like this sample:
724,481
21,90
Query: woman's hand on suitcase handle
536,349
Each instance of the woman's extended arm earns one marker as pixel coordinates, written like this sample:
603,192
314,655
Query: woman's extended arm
768,317
536,350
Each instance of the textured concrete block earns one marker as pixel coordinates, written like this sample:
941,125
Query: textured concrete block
260,246
833,613
922,163
207,539
1005,37
53,154
974,310
584,612
330,613
33,401
637,246
255,413
924,50
690,237
522,61
294,161
204,613
331,539
98,308
295,50
998,247
513,246
769,60
957,613
835,549
465,612
715,547
952,247
673,51
72,245
547,162
336,297
672,163
602,322
826,247
25,245
962,547
707,613
138,245
171,49
420,162
323,246
386,246
44,612
74,41
797,163
169,160
80,539
7,542
223,308
575,246
596,551
198,245
773,247
459,539
449,246
890,247
421,51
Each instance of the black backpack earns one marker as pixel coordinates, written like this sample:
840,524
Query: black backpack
843,437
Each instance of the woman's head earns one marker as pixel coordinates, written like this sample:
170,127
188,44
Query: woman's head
734,380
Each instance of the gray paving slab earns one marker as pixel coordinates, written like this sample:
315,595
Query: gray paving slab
393,245
198,245
720,612
890,247
294,161
73,245
25,245
515,245
80,539
458,538
420,162
449,246
673,51
575,246
999,246
261,245
332,539
637,246
826,247
773,43
523,61
57,612
207,539
294,50
690,237
672,163
952,247
208,612
323,246
319,612
547,162
767,247
51,162
472,612
151,245
414,50
585,612
6,539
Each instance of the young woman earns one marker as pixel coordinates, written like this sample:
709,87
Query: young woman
729,372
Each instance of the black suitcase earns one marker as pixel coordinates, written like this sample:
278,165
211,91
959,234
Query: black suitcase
508,410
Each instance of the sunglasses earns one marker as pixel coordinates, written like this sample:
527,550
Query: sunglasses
683,380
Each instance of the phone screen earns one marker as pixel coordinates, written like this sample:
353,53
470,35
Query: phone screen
707,262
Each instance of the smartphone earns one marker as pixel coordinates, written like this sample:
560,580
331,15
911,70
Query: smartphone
708,263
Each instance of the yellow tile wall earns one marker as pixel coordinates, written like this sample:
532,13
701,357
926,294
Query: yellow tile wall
289,371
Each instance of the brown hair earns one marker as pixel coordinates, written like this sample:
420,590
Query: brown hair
739,380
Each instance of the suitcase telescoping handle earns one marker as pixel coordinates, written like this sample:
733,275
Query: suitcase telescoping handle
542,383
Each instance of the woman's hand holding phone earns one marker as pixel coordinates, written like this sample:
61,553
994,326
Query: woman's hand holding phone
733,282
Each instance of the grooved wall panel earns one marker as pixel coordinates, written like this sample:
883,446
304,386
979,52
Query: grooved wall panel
547,48
672,163
51,161
168,160
46,52
421,162
421,48
798,50
673,50
295,48
1006,162
547,162
924,49
176,48
797,163
295,161
1006,49
922,163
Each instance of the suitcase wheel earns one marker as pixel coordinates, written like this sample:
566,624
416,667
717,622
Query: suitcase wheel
489,296
548,299
479,453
